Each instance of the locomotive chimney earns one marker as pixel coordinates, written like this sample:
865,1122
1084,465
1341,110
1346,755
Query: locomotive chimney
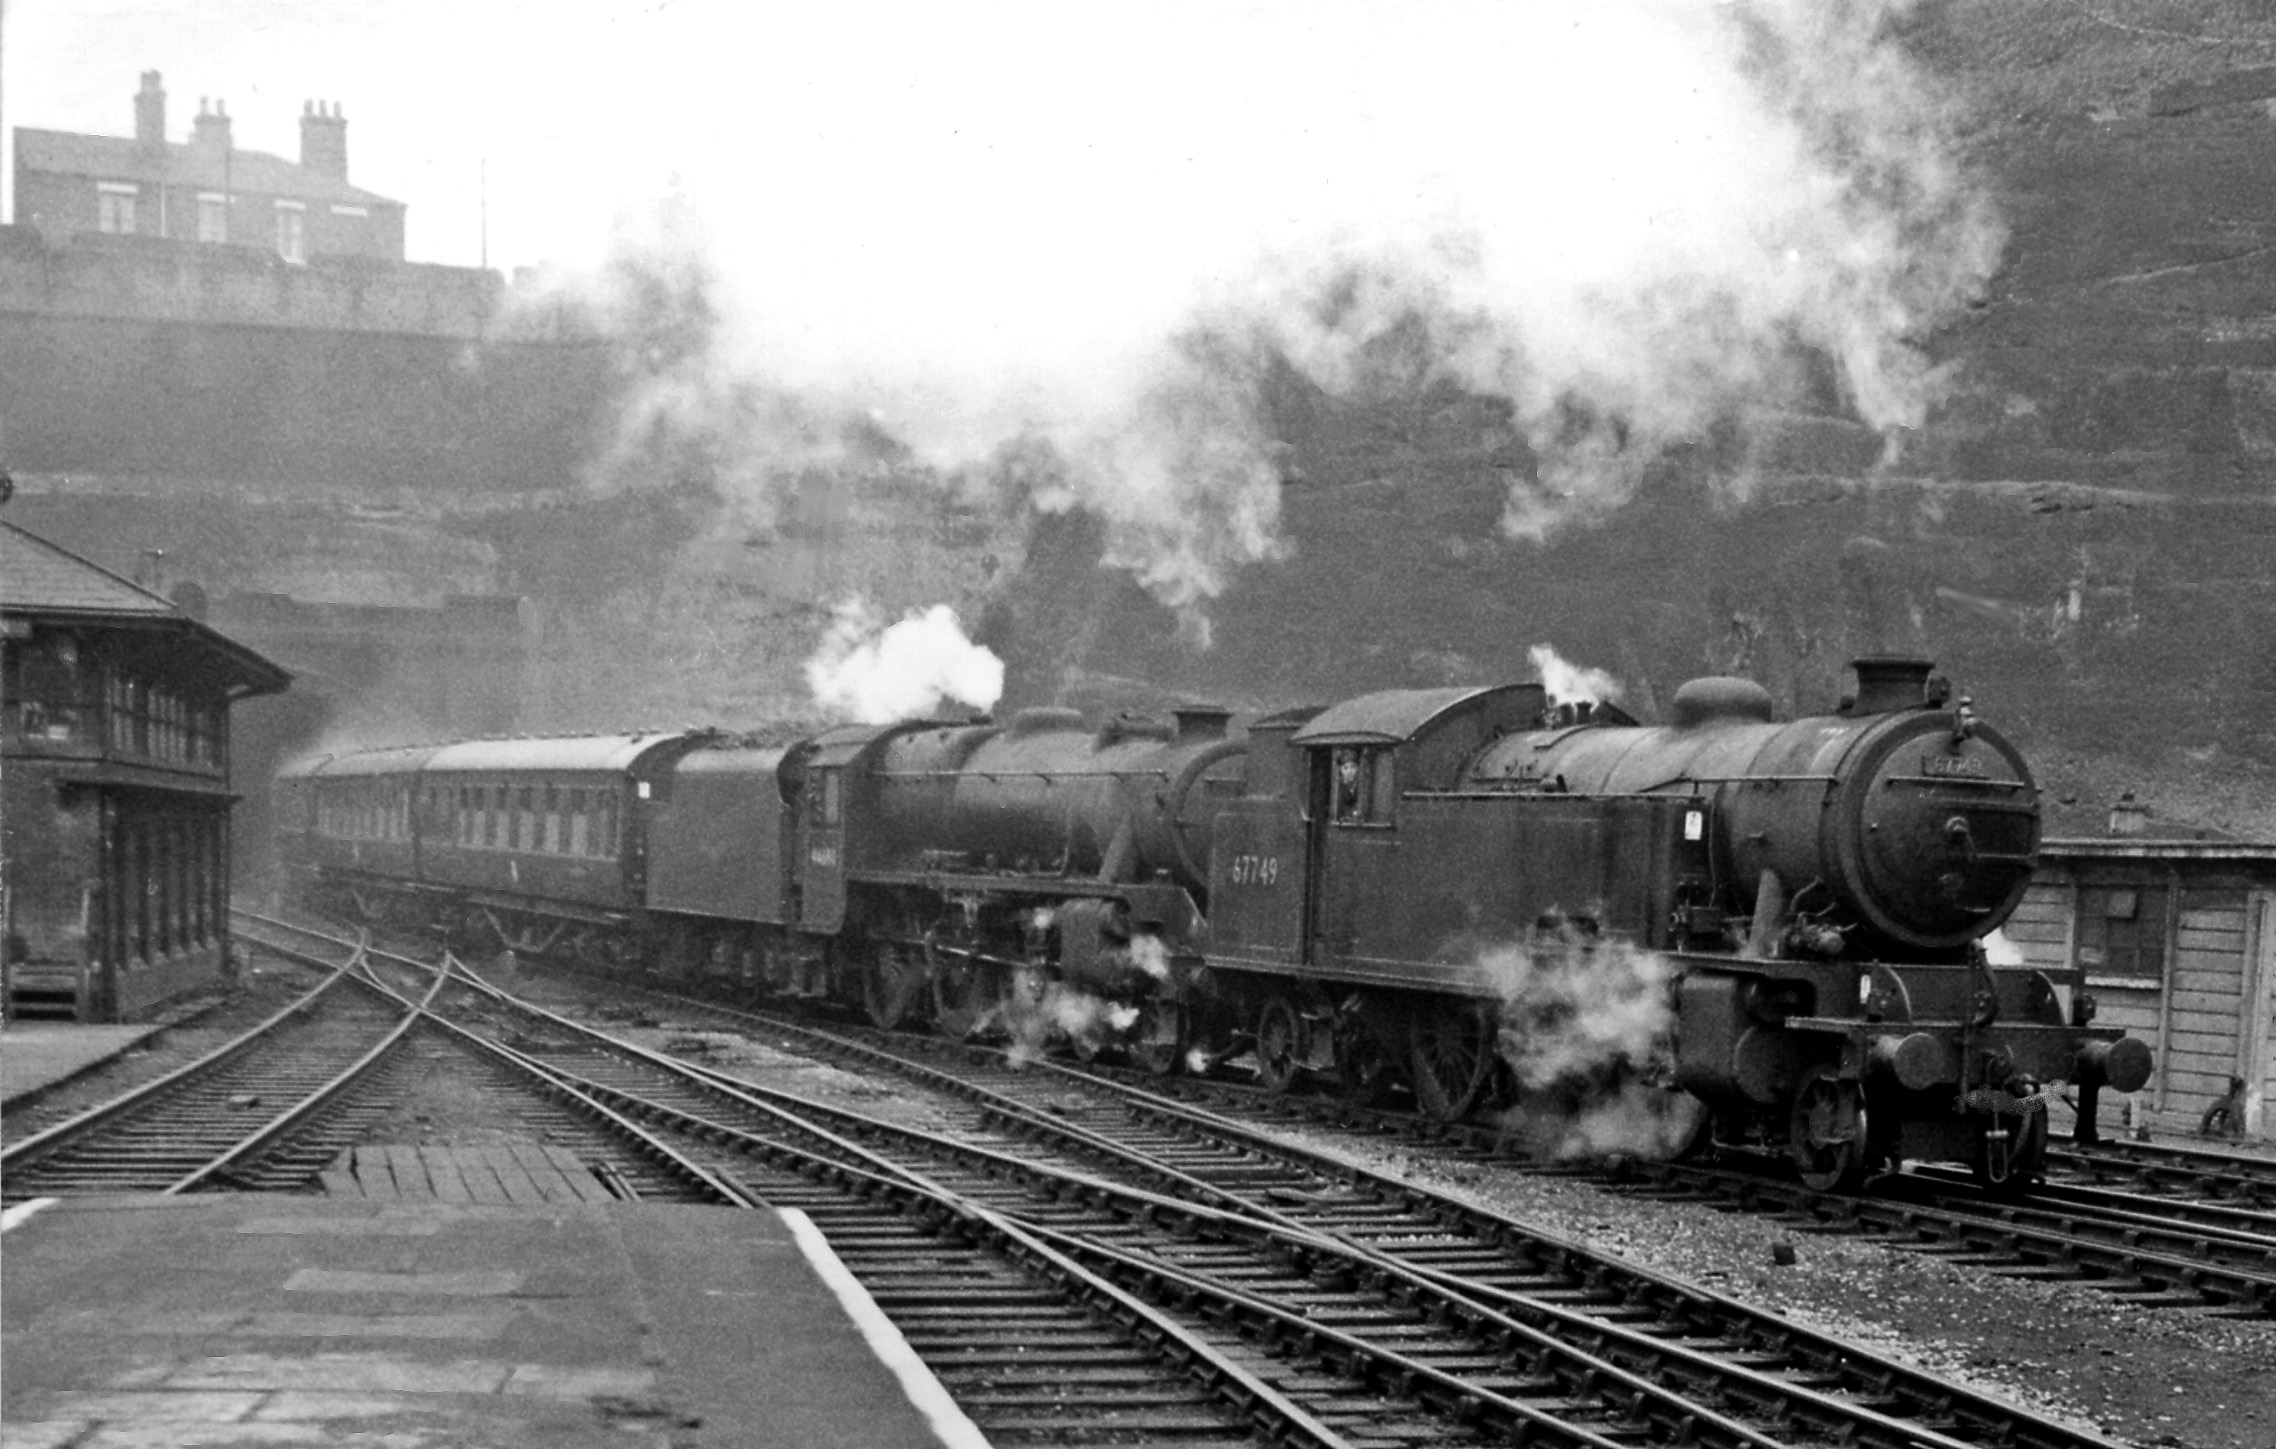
1888,682
1201,721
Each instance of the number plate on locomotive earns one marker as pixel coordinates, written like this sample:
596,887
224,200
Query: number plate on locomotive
1955,767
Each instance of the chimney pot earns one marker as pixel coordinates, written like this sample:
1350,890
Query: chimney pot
324,140
2129,817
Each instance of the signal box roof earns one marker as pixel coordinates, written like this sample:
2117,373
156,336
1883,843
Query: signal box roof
46,583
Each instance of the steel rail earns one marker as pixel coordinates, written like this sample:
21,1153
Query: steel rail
266,1136
865,1163
647,1143
1865,1371
1448,1293
18,1154
1444,1298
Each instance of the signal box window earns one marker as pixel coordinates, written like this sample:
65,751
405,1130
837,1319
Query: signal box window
2122,929
1361,786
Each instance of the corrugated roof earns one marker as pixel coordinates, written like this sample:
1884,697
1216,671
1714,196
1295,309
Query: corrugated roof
122,158
37,575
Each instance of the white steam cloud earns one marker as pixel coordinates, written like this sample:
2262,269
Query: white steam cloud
1569,683
1067,285
904,670
1586,1030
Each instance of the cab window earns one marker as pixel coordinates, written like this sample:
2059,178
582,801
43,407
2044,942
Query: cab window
1362,786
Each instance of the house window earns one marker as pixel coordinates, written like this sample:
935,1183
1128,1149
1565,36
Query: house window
292,234
213,217
2122,930
115,208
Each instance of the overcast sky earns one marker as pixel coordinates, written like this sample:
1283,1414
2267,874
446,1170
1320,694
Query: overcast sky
1123,126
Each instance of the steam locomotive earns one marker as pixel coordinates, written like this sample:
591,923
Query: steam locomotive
1724,927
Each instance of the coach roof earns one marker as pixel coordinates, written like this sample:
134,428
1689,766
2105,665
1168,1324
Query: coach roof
609,754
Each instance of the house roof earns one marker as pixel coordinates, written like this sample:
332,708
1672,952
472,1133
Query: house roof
173,163
40,579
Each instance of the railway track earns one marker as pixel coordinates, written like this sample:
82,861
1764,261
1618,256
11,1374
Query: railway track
270,1108
1399,1316
2191,1229
298,1076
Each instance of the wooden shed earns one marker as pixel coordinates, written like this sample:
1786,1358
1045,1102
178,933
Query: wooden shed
2177,941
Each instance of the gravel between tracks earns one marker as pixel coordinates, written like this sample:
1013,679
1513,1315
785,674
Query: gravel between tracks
2163,1379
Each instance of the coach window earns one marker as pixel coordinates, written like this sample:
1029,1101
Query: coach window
525,818
551,844
579,826
495,808
604,825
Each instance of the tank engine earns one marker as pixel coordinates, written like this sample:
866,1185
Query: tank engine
1475,893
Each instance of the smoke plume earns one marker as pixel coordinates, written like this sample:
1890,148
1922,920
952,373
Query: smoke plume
902,671
1640,225
1569,683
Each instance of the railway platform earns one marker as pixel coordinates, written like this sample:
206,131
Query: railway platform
228,1320
38,1055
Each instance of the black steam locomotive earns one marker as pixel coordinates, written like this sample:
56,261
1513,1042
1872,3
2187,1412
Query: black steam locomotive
1770,932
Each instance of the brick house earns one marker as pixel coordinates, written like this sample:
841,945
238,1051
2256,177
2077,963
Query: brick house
205,190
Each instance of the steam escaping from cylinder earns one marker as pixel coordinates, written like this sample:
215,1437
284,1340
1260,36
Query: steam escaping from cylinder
904,670
1569,683
1586,1030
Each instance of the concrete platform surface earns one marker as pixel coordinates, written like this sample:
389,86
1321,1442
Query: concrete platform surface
36,1055
242,1320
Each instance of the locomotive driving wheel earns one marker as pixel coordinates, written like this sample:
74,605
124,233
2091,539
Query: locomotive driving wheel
1827,1131
1451,1058
1280,1044
890,988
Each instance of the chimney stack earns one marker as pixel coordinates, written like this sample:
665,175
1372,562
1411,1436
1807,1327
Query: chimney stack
2129,817
150,111
324,139
210,131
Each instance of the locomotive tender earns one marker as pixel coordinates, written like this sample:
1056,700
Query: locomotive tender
1432,885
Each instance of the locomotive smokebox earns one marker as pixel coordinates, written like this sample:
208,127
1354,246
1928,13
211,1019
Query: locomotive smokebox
1887,682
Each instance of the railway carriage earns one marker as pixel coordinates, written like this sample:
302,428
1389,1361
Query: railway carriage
1434,888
